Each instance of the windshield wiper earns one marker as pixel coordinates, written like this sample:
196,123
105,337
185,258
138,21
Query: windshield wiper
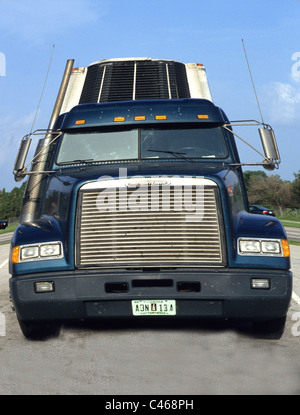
77,161
174,153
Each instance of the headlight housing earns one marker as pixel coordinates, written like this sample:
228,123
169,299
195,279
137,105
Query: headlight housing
37,252
263,247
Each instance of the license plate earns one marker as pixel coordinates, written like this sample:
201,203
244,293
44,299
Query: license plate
153,307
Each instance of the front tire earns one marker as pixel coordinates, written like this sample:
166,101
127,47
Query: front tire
38,330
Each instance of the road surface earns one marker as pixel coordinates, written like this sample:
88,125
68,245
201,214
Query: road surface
136,359
293,233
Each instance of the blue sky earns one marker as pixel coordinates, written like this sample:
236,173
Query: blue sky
201,31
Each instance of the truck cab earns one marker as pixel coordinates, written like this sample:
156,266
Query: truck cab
136,207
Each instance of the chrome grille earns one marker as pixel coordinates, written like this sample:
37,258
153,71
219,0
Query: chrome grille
154,232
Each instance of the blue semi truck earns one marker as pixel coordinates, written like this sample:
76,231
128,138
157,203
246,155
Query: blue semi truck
136,207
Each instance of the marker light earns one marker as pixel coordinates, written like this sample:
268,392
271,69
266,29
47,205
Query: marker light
260,283
139,118
160,117
79,122
119,119
203,116
44,287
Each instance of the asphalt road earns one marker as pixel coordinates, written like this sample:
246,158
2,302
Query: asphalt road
293,233
5,237
149,359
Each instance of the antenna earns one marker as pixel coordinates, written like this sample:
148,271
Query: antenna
252,82
38,107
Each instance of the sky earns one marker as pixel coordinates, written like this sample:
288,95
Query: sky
194,31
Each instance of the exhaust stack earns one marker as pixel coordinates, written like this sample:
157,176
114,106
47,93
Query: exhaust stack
36,181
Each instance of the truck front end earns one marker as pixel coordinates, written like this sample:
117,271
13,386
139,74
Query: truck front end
144,213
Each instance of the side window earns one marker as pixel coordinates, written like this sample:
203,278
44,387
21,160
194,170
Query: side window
57,199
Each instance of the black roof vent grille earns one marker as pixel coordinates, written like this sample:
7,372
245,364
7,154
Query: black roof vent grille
127,80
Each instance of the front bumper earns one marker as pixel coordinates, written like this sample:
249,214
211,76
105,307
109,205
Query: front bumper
205,293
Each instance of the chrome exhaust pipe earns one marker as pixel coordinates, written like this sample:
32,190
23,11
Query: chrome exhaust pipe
32,195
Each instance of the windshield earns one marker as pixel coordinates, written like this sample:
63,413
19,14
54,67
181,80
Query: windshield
142,143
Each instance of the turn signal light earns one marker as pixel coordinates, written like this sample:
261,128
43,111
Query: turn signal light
15,255
285,248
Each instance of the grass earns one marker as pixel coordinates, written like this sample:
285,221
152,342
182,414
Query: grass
290,217
290,223
296,243
10,228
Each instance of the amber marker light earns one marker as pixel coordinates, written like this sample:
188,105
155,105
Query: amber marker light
15,255
203,116
140,118
285,248
119,119
79,122
160,117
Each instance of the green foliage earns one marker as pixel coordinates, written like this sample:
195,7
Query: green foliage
273,192
295,187
251,175
11,202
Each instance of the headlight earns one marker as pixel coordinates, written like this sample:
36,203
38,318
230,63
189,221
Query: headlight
270,247
249,246
263,247
29,252
50,250
37,252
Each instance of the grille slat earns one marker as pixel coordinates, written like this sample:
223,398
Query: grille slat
142,238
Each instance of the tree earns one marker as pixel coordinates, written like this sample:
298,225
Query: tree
270,191
253,174
11,202
295,189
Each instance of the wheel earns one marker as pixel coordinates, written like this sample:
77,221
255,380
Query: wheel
272,329
37,330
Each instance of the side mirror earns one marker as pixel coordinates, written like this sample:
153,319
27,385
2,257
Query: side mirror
269,144
19,171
